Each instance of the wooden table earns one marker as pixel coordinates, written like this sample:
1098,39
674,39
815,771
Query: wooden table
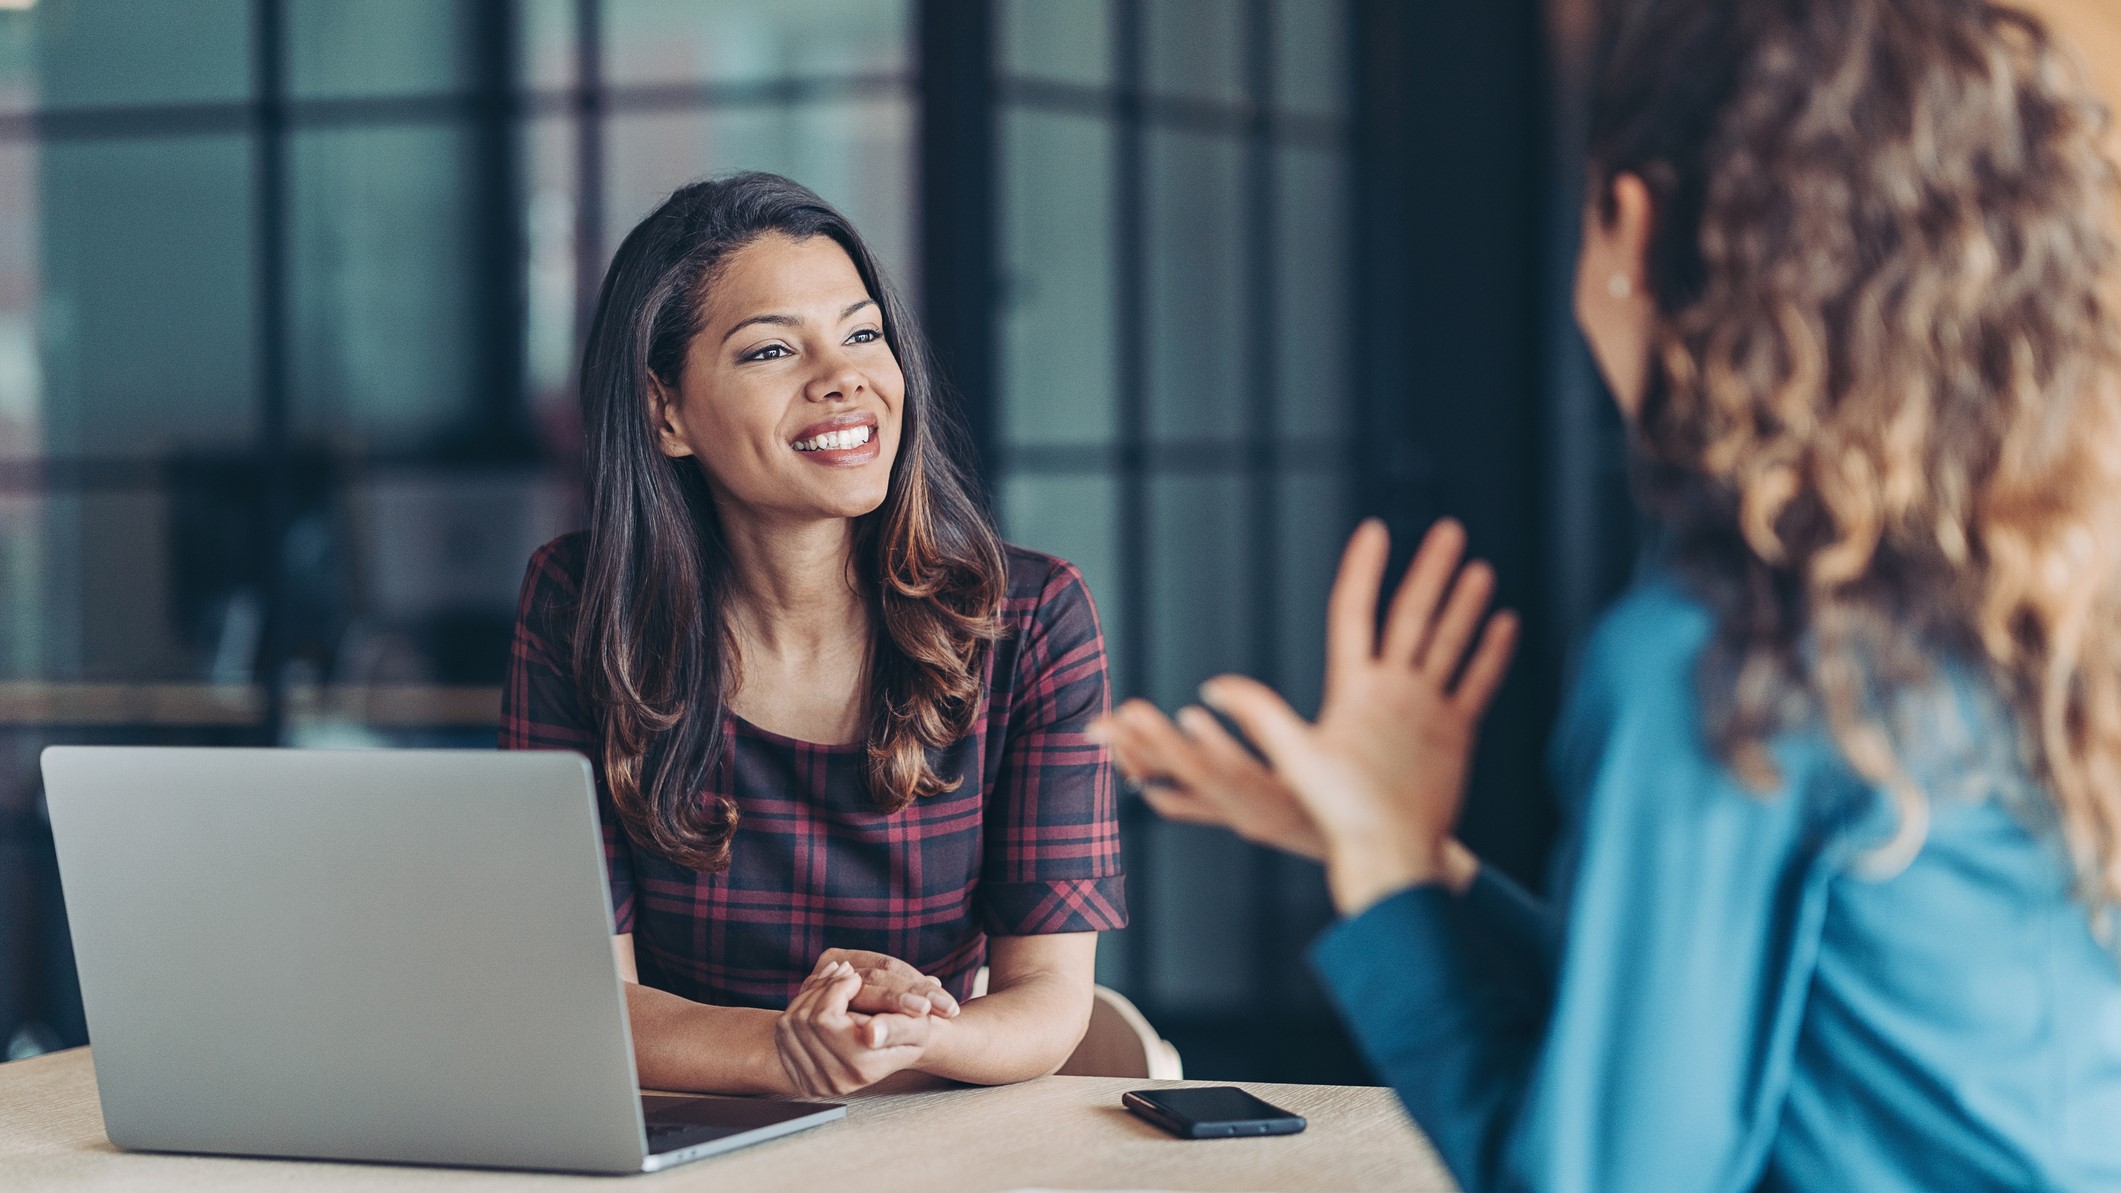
1057,1132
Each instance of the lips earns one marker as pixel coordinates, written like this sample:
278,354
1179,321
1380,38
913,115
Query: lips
849,438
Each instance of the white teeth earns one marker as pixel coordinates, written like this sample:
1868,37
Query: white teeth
836,440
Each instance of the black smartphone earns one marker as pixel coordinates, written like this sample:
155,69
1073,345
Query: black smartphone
1216,1112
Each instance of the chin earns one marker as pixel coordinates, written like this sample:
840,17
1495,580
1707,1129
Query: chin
857,504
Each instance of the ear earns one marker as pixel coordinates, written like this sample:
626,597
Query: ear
1627,233
664,414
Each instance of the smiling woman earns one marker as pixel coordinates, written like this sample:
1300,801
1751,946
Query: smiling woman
839,725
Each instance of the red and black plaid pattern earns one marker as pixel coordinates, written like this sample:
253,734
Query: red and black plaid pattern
1028,843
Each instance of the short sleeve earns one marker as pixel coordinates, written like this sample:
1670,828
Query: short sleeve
1052,861
541,706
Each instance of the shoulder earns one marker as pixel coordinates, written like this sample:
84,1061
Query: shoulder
560,563
1044,590
552,580
1049,623
1633,739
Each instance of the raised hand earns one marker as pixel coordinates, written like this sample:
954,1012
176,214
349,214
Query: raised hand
1204,776
1382,773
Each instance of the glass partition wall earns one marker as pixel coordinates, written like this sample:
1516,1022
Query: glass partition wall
291,293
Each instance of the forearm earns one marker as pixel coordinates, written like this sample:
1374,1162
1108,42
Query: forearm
1027,1030
1410,982
679,1044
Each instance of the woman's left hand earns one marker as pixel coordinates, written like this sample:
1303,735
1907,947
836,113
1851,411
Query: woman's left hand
1382,773
830,1050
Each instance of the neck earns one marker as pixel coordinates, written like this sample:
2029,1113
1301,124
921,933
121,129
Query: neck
794,591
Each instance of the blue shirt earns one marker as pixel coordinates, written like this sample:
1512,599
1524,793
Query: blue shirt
1722,995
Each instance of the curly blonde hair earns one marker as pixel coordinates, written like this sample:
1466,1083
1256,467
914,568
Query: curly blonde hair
1883,426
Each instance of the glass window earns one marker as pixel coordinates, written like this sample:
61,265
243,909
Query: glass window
26,623
148,295
1311,298
856,153
385,289
109,569
1066,41
21,297
1199,900
1312,524
434,541
93,53
547,44
1056,317
1197,286
550,335
1201,614
379,47
1311,73
726,41
1195,49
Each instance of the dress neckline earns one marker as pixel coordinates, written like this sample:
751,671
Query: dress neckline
747,729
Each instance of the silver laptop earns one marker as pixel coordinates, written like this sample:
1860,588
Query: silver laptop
396,955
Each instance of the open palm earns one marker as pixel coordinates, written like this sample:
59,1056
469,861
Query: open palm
1382,772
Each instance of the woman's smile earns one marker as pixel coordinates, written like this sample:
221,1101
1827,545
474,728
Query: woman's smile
842,441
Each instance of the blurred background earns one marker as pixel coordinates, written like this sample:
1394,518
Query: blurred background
291,293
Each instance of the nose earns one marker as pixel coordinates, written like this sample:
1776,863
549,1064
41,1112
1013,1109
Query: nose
837,379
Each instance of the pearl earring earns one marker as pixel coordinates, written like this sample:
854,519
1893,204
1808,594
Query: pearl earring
1620,286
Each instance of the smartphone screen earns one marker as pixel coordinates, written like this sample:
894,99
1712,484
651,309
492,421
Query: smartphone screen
1215,1112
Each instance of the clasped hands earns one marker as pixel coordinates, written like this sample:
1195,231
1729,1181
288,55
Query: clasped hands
858,1018
1374,786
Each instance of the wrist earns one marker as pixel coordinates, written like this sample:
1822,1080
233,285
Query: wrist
940,1052
1363,871
769,1072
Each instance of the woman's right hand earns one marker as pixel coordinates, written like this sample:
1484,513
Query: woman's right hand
829,1049
1195,771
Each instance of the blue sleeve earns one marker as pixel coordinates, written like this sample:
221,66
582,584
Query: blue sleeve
1689,912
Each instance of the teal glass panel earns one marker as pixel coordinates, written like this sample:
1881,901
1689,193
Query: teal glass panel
663,42
1201,608
1195,49
147,296
1063,41
857,154
338,48
1057,327
384,292
1197,287
97,53
1312,523
1311,42
1313,339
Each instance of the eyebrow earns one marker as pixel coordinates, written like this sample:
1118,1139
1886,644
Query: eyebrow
790,320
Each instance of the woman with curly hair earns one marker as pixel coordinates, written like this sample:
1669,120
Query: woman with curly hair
1834,907
838,726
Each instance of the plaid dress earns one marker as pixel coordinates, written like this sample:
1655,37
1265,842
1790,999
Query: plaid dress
1027,844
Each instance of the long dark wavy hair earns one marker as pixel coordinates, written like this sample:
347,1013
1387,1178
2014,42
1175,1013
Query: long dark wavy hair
1883,426
654,650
